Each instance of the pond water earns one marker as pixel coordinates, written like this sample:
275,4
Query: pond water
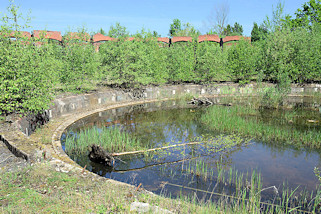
163,123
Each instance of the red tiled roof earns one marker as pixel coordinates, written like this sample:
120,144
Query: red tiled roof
100,37
181,39
212,38
47,34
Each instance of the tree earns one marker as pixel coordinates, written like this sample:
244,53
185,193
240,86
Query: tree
102,32
307,16
27,74
188,30
174,27
219,18
277,20
236,30
156,34
178,28
11,20
258,33
118,31
255,34
228,30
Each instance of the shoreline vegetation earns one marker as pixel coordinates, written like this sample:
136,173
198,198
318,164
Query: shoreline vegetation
287,50
245,121
32,75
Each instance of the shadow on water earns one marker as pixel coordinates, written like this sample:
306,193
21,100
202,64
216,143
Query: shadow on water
199,169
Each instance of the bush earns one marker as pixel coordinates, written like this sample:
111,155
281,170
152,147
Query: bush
211,63
80,68
181,61
26,74
242,61
308,54
134,63
292,54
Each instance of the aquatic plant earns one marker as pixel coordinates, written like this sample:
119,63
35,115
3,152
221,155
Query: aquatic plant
236,120
112,139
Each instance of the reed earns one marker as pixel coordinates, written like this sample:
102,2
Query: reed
244,121
199,168
112,139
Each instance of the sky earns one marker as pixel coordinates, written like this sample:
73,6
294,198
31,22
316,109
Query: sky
70,15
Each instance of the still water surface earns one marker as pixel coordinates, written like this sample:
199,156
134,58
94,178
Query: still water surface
163,123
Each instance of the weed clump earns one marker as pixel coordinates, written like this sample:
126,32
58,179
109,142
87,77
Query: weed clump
112,139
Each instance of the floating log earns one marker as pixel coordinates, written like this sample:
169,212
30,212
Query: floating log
203,101
151,150
99,155
200,101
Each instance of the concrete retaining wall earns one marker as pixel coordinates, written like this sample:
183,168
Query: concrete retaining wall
68,105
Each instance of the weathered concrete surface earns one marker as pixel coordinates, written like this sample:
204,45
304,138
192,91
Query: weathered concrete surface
8,161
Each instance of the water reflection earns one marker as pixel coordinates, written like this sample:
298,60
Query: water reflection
277,163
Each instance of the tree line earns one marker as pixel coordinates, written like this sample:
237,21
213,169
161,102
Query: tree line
287,50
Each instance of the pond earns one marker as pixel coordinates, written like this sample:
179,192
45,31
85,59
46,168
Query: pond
203,168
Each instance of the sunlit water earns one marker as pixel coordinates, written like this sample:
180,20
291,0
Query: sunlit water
163,123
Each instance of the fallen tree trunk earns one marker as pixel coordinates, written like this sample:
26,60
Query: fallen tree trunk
151,150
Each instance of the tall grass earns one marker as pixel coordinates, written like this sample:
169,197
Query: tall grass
111,139
233,120
243,193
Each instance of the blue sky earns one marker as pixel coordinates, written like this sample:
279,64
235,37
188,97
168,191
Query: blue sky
65,15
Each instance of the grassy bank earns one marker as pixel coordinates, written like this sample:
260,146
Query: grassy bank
42,189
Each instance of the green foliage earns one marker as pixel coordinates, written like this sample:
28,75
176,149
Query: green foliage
79,66
181,62
187,30
236,30
26,72
11,20
155,34
309,15
118,31
274,23
111,139
174,27
102,32
245,121
31,74
177,28
292,55
242,61
211,63
258,33
134,62
317,173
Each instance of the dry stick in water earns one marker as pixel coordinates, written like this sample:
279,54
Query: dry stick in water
153,165
138,186
150,150
83,170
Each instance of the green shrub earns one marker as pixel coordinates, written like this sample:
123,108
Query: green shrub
26,74
242,61
80,67
138,62
308,54
181,61
211,63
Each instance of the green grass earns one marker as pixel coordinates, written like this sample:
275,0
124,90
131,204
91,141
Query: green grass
111,139
41,189
240,120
